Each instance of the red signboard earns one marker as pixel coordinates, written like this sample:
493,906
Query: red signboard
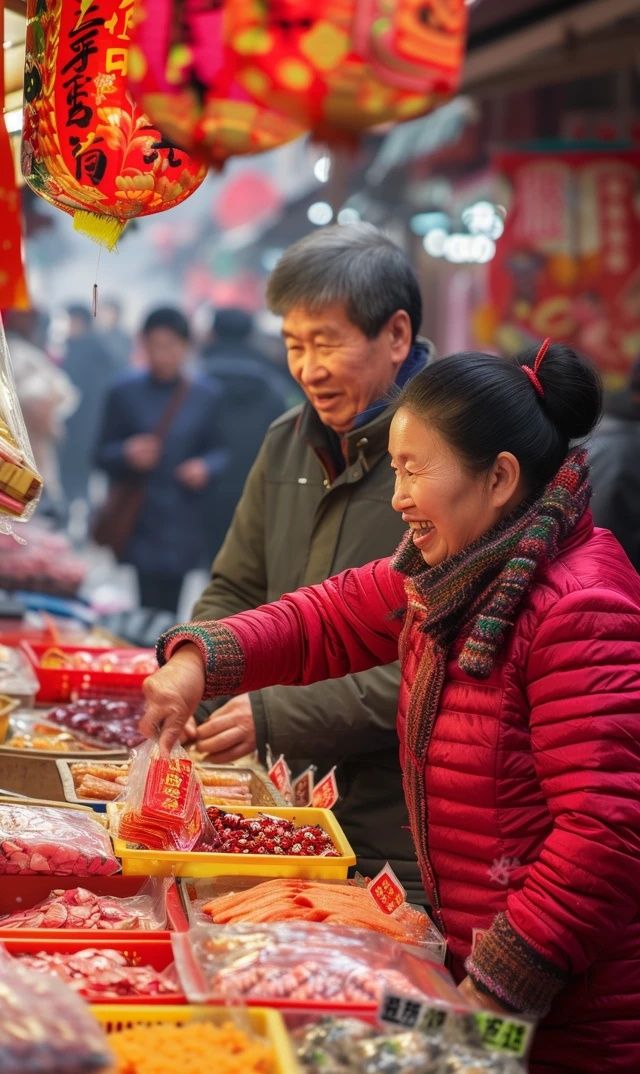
567,264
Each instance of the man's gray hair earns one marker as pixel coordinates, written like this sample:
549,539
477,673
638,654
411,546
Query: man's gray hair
354,264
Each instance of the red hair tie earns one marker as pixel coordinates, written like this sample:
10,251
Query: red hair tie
532,374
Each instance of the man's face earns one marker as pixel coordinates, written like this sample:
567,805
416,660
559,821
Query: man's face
166,352
341,371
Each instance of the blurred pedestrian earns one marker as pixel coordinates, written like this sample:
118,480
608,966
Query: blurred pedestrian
160,446
47,397
254,393
118,341
91,369
614,450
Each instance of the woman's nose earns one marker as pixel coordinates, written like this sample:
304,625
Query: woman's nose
400,499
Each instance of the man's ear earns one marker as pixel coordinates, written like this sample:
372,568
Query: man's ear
399,332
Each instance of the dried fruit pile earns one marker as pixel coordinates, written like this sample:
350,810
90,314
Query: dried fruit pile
78,908
193,1048
105,721
264,834
101,973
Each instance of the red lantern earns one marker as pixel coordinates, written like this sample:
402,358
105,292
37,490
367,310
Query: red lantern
87,148
344,65
13,289
184,77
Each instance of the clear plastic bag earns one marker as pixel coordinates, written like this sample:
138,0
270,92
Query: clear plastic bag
45,1027
37,839
233,900
20,481
17,677
349,1046
163,804
78,908
305,964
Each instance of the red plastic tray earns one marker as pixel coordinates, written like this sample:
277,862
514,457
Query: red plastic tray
67,684
21,892
156,953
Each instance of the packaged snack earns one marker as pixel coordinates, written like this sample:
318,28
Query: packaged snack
303,963
20,482
44,839
17,677
103,974
78,908
164,808
101,721
340,904
45,1027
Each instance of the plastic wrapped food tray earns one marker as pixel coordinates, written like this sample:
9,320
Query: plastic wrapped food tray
24,722
148,952
196,864
68,684
267,1024
263,792
21,892
195,892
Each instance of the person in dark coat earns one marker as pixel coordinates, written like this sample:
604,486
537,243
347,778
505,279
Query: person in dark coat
89,365
614,449
254,393
317,501
168,537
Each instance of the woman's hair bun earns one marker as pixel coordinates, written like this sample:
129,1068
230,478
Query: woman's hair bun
572,389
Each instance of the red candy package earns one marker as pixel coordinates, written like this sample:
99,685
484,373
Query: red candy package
44,839
164,805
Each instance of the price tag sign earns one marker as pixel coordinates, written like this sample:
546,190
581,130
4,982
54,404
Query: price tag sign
280,776
302,788
396,1010
386,890
325,792
504,1033
491,1032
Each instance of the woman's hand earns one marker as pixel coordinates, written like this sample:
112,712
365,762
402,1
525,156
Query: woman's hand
172,695
476,998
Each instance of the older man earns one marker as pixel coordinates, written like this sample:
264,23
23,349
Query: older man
317,501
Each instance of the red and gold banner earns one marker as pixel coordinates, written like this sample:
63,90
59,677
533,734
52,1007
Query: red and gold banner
567,264
13,288
87,147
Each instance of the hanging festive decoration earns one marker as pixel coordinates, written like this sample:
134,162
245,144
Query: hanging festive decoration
87,147
338,66
13,288
184,77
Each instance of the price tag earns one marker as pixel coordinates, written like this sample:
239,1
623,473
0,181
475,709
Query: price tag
280,776
386,890
325,792
397,1010
491,1032
302,788
504,1033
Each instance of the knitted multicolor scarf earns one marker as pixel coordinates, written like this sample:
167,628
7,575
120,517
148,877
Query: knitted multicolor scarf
474,597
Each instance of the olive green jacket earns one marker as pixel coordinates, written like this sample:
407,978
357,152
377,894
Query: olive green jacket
295,526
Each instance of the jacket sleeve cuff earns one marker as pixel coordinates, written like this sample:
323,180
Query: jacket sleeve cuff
506,967
220,650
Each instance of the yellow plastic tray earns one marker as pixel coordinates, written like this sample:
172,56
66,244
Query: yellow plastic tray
193,864
264,1022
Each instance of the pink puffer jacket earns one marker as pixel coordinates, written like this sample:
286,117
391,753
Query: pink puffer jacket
532,775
